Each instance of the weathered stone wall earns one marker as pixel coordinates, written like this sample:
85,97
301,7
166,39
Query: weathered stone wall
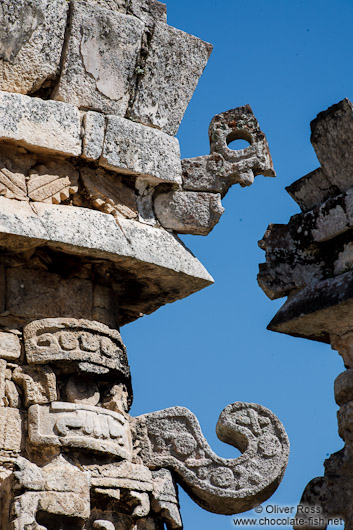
310,261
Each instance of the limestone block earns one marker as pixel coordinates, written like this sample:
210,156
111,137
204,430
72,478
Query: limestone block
125,475
38,294
2,381
93,139
165,498
100,59
105,306
312,190
172,439
52,182
56,489
31,41
63,424
149,11
288,265
108,193
38,384
344,387
11,429
188,212
60,339
12,395
332,139
134,149
114,5
344,261
319,310
49,126
10,347
170,75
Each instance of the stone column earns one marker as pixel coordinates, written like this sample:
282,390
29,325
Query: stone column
92,196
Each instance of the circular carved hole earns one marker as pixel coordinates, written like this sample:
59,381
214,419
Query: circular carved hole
238,140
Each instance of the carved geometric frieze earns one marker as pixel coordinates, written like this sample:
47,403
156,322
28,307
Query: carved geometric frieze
83,341
62,424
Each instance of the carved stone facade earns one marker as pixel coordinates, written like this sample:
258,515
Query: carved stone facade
310,261
92,196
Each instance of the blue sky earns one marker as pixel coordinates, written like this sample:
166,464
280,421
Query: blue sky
289,59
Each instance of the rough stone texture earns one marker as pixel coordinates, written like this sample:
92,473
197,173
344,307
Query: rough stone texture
168,79
310,259
172,438
149,11
134,149
94,131
10,346
206,178
332,139
38,384
48,126
188,212
100,59
31,41
11,430
312,190
165,498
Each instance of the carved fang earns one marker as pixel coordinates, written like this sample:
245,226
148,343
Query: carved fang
172,438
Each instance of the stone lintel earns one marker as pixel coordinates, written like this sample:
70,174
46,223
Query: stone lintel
156,268
318,311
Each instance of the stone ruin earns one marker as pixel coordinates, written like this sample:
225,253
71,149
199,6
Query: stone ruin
310,260
92,196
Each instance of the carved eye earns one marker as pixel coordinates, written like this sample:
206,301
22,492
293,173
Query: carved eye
184,444
222,477
239,139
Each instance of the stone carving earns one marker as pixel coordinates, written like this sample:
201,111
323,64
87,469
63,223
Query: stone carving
76,425
172,438
57,491
38,383
52,182
108,194
196,207
83,341
92,194
224,166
